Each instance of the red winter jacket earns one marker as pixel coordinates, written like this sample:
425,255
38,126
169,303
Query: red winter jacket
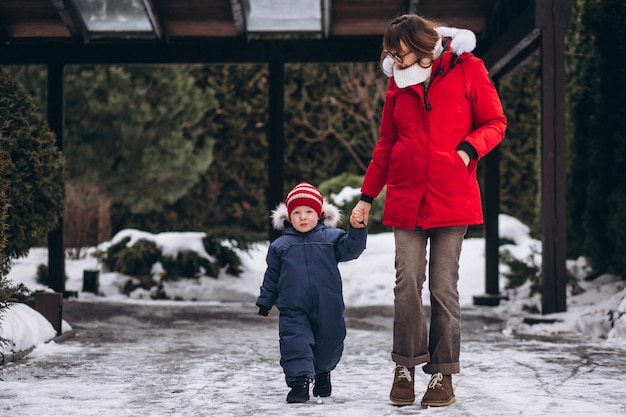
428,185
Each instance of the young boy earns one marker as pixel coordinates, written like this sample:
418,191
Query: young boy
303,280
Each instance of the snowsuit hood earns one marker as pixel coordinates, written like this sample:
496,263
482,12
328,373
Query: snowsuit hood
331,215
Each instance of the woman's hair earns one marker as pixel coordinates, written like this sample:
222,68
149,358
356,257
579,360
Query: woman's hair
417,33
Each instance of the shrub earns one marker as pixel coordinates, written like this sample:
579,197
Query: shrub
6,298
43,274
22,294
34,169
226,256
110,256
521,271
137,260
4,208
186,264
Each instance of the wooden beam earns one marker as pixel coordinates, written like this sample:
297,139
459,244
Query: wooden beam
240,10
56,245
5,36
276,134
72,20
326,18
552,16
413,6
222,51
513,42
155,22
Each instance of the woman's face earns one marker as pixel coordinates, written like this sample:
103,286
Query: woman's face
407,56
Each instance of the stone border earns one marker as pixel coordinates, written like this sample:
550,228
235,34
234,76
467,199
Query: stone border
6,358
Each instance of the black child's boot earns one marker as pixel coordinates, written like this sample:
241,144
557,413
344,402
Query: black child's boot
299,390
322,387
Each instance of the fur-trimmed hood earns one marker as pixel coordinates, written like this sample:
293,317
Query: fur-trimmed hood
331,215
462,41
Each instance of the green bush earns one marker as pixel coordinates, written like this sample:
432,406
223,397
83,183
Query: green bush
34,169
110,256
4,208
43,274
521,271
22,294
137,260
6,298
596,192
186,264
226,257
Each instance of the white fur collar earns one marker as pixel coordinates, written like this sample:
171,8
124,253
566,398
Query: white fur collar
462,41
330,213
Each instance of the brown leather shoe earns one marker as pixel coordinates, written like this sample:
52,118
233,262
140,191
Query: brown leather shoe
402,390
439,392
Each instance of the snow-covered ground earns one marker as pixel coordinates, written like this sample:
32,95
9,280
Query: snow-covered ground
599,312
232,368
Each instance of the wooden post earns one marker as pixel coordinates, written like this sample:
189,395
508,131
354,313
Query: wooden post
491,199
91,280
56,245
50,305
276,140
552,19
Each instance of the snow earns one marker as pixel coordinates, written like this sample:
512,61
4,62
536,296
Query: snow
598,312
25,328
596,315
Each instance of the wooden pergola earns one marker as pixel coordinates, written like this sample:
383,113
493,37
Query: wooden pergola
510,32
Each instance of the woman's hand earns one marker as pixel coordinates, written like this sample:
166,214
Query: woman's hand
361,211
464,156
356,219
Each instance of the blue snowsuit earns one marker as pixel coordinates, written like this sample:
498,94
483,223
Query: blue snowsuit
302,279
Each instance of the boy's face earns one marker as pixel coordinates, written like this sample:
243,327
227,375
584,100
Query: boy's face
303,218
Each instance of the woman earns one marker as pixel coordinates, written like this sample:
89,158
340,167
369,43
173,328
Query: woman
441,115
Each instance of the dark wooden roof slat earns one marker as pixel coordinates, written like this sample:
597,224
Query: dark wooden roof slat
154,18
71,19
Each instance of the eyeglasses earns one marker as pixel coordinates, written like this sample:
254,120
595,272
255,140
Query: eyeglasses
398,58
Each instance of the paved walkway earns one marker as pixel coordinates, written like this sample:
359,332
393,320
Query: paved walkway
222,360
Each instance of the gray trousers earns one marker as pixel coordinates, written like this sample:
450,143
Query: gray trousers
413,344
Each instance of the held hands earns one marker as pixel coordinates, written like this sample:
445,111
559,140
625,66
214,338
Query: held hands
360,215
357,219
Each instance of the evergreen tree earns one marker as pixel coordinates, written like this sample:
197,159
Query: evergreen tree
34,172
583,87
4,208
229,200
603,128
331,127
519,151
136,131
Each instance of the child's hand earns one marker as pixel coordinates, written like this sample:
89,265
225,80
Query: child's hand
357,219
264,312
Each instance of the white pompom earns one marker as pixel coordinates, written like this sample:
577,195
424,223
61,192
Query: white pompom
388,66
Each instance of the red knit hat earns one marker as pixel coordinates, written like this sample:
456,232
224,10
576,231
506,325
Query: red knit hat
304,194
